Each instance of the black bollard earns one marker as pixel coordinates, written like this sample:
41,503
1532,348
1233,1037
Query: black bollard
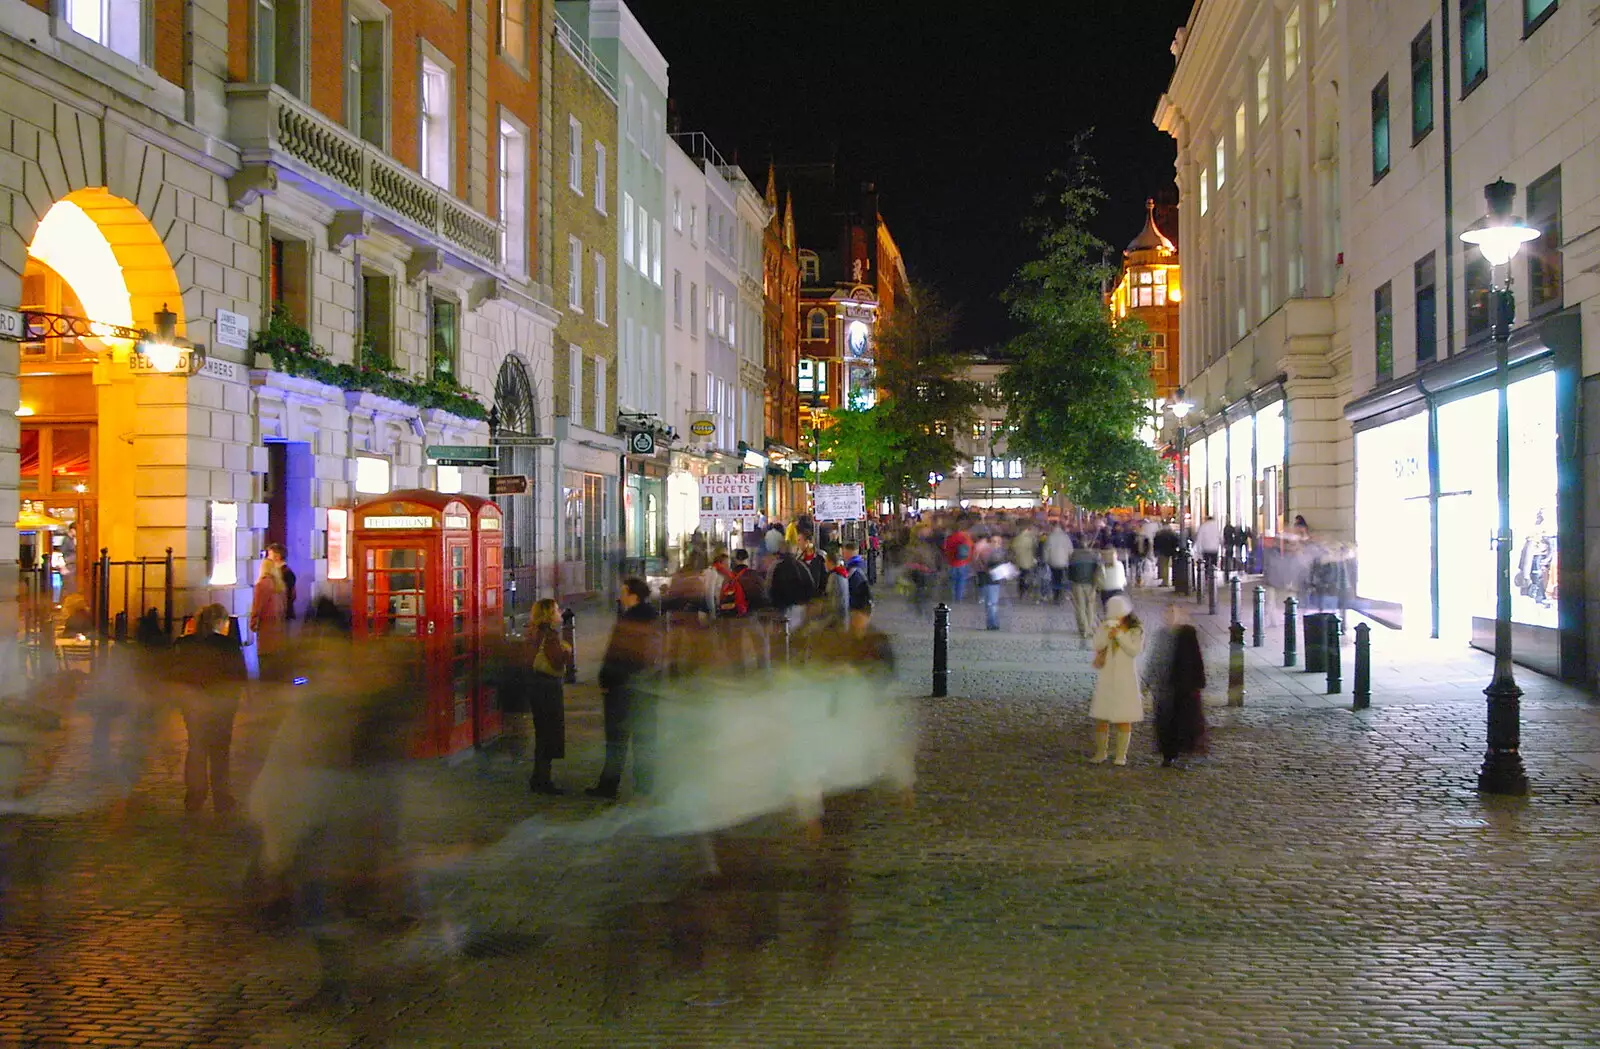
941,650
1236,664
1363,682
1180,573
783,627
1199,581
569,634
1258,626
1211,588
1334,683
1234,588
1289,627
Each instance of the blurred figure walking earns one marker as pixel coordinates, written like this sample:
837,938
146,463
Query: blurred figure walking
549,658
1117,697
268,612
210,676
1058,555
1176,673
630,655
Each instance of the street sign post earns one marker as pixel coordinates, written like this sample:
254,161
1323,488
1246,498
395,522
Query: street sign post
463,454
508,484
518,441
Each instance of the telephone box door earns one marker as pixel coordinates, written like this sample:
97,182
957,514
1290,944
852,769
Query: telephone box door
457,651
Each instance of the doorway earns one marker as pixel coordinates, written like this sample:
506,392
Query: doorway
289,517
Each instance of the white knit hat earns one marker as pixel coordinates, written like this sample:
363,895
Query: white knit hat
1118,607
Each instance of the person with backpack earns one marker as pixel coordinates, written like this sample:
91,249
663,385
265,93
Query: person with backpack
958,556
739,602
791,585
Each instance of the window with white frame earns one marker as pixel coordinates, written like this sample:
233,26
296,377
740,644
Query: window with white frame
574,155
366,79
278,42
1264,90
1016,468
980,466
694,221
575,274
600,177
677,298
600,289
1222,162
817,324
1291,43
114,24
1205,180
434,131
575,384
627,229
655,251
677,211
513,193
514,30
600,394
641,230
625,111
694,309
1238,131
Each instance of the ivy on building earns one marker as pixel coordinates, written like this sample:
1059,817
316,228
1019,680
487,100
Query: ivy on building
293,352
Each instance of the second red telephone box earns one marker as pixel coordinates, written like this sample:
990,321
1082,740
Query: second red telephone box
488,584
414,578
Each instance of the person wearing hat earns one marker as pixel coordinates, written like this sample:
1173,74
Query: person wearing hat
1117,698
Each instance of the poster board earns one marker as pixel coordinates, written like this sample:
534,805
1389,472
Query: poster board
841,502
728,498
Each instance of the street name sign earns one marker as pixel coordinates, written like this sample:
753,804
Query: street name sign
463,454
518,441
13,325
508,484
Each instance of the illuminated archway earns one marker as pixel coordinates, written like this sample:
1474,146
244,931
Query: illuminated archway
112,258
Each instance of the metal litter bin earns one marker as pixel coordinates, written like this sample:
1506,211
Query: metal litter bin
1316,646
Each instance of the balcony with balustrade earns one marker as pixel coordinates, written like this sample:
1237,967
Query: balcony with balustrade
280,138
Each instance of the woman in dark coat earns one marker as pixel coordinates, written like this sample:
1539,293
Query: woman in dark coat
1176,673
548,656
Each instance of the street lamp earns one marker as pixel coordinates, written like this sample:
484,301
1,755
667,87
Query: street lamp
1180,407
1500,235
960,472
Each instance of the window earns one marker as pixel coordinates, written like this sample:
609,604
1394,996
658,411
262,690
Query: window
817,324
1291,43
1325,9
1015,468
1544,253
366,98
377,306
677,211
810,268
694,221
434,142
575,384
655,251
694,309
1264,90
1383,332
600,177
1474,45
625,111
1380,129
641,230
115,24
807,376
600,311
288,277
575,274
574,155
1238,131
1205,179
279,51
513,191
677,299
979,430
1422,84
1534,13
1427,310
444,359
514,30
600,394
1158,360
1222,162
627,229
980,466
1476,276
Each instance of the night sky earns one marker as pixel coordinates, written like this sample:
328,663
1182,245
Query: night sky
957,111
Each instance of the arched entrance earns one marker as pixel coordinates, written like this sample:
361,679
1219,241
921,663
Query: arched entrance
94,256
518,417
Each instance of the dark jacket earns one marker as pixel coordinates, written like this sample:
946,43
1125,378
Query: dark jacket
632,649
792,582
818,567
860,589
210,662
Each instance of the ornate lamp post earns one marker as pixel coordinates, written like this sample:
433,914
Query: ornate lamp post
1500,235
960,472
1180,407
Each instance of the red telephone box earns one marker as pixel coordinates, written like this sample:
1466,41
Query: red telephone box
414,578
488,583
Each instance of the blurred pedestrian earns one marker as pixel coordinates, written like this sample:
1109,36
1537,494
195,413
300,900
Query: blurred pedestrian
1082,567
1118,700
209,675
1058,555
268,608
277,552
549,656
958,557
987,557
1176,673
1025,555
1111,577
630,656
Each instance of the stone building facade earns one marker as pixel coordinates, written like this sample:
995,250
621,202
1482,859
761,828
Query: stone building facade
780,283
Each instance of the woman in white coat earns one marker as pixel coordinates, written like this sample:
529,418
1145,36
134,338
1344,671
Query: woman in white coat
1118,699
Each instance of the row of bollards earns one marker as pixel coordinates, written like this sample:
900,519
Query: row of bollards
569,635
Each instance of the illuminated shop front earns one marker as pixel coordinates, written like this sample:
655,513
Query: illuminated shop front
1235,469
1425,460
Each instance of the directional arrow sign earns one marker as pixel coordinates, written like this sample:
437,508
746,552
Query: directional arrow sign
464,454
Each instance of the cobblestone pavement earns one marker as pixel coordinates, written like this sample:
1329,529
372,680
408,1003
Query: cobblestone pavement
1322,878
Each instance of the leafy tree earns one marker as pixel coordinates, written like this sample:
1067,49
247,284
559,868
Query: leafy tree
859,444
1079,387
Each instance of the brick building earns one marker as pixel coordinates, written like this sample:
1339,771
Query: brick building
781,316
